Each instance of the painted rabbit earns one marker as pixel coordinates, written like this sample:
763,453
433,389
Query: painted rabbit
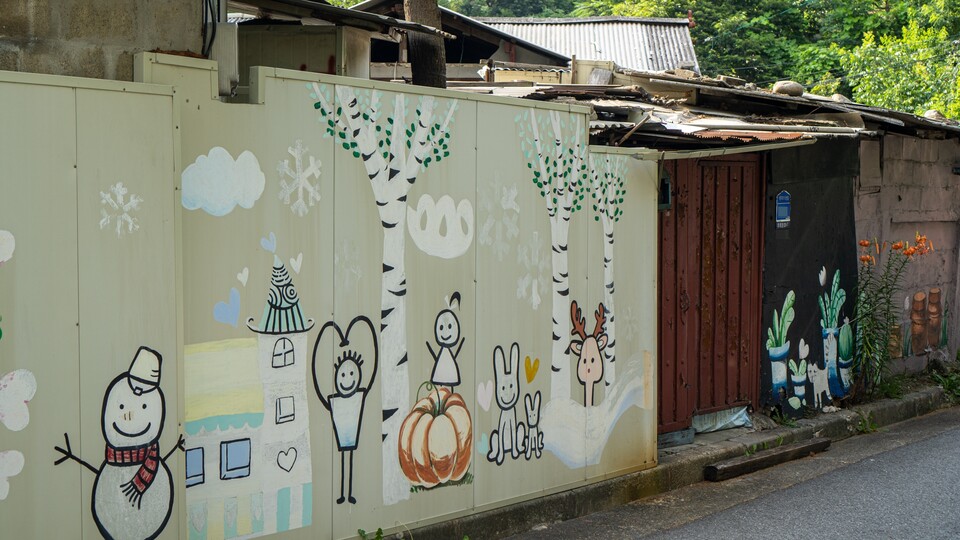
534,435
509,435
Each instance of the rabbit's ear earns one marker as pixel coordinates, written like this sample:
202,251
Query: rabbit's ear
515,358
536,400
528,402
499,364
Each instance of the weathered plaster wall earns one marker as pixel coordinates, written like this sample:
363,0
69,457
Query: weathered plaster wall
906,185
93,38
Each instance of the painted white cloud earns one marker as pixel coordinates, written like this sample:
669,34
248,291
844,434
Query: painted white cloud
7,245
16,390
216,183
443,228
11,463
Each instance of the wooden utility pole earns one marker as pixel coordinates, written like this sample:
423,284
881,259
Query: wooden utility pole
428,59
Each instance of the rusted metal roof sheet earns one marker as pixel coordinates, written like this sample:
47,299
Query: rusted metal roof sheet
748,136
635,43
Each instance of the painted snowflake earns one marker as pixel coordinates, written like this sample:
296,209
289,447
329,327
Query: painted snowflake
346,261
297,180
116,209
534,258
499,204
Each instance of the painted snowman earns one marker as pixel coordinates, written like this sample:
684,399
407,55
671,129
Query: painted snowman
133,492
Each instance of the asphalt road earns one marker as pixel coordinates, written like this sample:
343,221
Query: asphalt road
900,482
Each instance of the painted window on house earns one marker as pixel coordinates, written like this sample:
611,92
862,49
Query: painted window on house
283,353
285,409
234,459
194,466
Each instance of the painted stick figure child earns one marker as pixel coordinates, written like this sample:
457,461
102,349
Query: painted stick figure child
446,331
346,403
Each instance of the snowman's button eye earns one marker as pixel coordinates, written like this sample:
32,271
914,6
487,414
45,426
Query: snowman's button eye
144,405
121,406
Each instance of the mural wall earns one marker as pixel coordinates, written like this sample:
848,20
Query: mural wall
809,277
404,305
89,355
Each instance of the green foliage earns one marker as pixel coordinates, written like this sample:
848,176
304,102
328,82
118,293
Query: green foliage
890,387
510,8
377,536
800,369
913,72
783,419
865,424
777,334
950,382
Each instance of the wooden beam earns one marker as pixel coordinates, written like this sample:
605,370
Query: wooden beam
731,468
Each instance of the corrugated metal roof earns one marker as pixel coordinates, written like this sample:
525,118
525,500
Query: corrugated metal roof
634,43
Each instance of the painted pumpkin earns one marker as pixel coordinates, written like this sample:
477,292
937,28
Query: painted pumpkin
436,439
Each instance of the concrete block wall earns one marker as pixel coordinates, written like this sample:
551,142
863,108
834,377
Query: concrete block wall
93,38
907,185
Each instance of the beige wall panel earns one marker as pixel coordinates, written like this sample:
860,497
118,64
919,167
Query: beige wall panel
231,252
632,446
38,305
505,289
126,272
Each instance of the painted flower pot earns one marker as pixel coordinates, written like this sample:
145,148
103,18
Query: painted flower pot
778,369
799,386
846,371
830,360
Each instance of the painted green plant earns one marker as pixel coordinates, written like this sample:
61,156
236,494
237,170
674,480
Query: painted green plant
798,369
777,334
830,303
845,342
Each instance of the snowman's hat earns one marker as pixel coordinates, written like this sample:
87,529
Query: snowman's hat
144,373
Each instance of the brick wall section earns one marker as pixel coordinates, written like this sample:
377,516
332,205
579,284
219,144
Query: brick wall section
906,185
90,38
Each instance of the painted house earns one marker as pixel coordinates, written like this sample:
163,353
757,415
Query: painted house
248,467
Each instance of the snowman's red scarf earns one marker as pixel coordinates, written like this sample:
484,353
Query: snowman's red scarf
147,456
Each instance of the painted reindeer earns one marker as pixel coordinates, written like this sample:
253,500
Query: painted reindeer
588,348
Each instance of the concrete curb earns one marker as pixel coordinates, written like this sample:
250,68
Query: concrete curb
680,469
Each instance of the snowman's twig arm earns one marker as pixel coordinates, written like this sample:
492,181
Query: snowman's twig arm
180,443
68,454
433,354
460,346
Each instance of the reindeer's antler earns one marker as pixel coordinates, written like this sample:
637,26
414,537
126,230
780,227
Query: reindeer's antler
578,322
601,316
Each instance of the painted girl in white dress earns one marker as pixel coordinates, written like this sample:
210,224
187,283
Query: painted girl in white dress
446,372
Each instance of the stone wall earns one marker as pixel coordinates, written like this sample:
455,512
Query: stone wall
93,38
907,185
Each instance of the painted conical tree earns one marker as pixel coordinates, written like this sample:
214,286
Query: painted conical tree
607,175
555,149
394,147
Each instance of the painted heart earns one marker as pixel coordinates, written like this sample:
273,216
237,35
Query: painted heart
243,275
228,313
7,244
342,344
296,263
198,517
483,445
531,368
287,458
269,243
11,463
485,394
16,390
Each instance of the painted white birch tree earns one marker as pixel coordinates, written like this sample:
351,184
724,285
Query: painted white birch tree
607,187
555,148
395,146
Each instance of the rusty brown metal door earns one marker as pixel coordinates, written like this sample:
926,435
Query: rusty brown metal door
710,288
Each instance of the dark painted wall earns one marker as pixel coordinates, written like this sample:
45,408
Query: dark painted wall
820,234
